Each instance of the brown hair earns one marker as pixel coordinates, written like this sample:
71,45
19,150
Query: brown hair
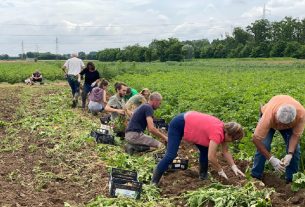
104,82
234,130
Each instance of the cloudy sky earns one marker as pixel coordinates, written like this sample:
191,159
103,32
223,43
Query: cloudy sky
92,25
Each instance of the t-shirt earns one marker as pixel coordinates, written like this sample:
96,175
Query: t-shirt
74,65
116,102
138,121
132,93
201,128
96,94
135,101
268,119
90,76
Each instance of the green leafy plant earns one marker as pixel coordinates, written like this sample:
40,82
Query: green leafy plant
221,195
298,181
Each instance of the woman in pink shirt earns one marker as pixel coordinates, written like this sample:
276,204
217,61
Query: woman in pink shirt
207,133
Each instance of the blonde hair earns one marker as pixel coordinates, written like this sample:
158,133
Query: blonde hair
234,130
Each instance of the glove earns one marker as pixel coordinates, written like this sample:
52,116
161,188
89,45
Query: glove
277,164
222,174
93,84
286,160
237,171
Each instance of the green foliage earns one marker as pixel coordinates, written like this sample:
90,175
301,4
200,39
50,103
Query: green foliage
298,181
221,195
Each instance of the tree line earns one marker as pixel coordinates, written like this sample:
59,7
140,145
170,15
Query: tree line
285,38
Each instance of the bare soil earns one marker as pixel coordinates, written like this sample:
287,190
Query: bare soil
64,179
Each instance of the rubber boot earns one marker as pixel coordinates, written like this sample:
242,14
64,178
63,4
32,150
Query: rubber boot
203,172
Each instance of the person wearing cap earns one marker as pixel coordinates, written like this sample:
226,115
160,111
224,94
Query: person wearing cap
207,133
72,68
137,100
287,115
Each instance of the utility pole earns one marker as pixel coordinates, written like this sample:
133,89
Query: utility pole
264,11
22,50
56,48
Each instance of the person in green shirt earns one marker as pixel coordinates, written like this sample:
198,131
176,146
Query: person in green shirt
130,93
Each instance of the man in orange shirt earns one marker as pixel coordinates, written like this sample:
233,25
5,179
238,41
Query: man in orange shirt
287,115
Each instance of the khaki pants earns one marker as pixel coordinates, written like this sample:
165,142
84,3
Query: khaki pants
141,138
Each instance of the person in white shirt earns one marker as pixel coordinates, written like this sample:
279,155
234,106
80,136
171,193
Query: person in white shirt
72,68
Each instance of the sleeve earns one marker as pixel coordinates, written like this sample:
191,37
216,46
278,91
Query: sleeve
299,128
149,111
66,63
82,64
83,71
112,102
263,127
98,75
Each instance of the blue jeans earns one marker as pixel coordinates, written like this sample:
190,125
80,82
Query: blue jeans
74,84
86,89
259,159
175,134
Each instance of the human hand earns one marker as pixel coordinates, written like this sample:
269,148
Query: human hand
222,174
121,111
277,164
286,160
93,84
237,171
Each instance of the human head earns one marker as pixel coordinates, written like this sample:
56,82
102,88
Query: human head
74,54
103,84
233,131
155,100
121,89
128,91
145,92
286,114
90,66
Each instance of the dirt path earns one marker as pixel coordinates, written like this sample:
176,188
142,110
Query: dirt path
30,176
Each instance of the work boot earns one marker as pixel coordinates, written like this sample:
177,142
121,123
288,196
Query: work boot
156,177
140,148
74,103
129,149
203,173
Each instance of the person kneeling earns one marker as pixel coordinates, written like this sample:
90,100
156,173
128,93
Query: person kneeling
97,97
142,118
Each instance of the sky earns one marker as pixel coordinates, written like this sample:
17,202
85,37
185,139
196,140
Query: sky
93,25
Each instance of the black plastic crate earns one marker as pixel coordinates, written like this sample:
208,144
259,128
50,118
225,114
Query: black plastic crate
105,119
124,174
102,136
178,163
160,123
124,183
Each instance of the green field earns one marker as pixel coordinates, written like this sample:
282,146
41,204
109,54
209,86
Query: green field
231,89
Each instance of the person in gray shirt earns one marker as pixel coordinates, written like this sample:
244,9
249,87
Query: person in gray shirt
116,102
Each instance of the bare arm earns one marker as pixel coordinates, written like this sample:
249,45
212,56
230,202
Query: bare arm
293,142
152,129
212,156
226,154
261,147
104,98
110,109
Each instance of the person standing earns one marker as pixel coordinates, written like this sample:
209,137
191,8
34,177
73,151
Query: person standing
72,68
207,133
287,115
91,79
